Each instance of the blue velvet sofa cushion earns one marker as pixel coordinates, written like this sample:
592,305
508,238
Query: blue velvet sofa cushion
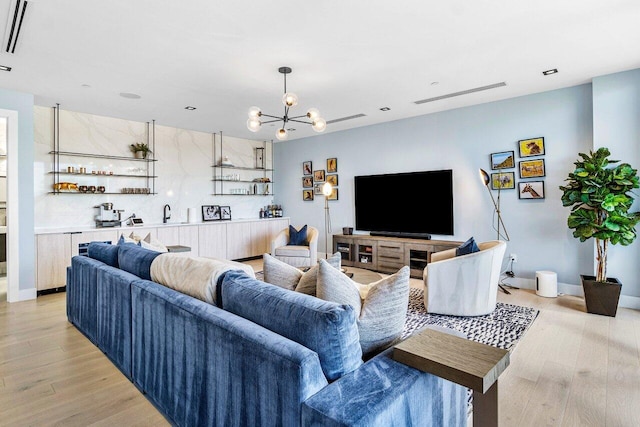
81,294
327,328
136,260
298,237
104,252
114,315
384,393
201,365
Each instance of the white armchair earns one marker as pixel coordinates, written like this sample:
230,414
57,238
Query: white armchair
297,256
466,285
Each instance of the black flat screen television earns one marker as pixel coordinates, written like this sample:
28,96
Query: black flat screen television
411,204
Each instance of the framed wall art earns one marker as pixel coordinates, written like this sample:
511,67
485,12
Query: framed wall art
317,189
531,190
307,182
332,165
318,176
307,168
531,168
503,181
211,213
531,147
333,180
225,212
307,195
503,160
334,194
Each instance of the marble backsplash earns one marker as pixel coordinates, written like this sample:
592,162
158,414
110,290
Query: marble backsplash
183,169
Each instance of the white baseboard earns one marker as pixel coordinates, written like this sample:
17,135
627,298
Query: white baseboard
626,301
25,295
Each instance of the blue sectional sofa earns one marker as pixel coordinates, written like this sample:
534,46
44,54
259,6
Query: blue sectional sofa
260,356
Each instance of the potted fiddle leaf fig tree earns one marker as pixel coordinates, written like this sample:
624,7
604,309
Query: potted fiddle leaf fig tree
599,192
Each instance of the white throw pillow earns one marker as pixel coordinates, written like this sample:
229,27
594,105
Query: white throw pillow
281,274
381,306
150,242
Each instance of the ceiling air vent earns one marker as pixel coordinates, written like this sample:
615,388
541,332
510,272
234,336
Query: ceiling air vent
342,119
17,12
464,92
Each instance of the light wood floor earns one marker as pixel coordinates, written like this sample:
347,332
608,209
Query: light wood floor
570,369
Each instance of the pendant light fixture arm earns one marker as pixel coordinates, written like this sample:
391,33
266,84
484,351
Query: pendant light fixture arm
289,100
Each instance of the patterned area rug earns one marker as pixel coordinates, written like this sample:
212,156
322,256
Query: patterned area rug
502,328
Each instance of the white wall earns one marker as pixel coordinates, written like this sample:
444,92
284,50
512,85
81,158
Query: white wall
616,125
183,169
23,104
462,140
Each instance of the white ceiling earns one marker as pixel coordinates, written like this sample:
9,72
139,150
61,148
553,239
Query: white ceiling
348,57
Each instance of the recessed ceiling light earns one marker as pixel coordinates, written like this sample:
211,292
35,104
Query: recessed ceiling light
385,109
549,72
291,129
435,83
130,95
4,68
189,107
85,86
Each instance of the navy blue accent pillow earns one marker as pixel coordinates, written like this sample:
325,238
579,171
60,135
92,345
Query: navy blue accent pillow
297,237
467,247
104,252
136,260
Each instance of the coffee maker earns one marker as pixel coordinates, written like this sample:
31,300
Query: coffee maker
108,217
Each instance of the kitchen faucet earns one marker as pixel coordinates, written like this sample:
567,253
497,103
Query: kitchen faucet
166,215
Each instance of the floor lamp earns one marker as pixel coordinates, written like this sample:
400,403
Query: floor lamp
327,189
484,176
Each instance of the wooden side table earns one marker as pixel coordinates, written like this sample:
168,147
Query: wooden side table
465,362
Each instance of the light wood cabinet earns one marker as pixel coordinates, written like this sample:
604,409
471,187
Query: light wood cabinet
388,254
239,240
223,240
212,240
53,252
189,236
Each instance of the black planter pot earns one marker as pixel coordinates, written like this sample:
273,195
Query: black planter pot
601,297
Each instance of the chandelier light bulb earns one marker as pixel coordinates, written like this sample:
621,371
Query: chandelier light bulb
253,124
282,134
255,112
319,124
290,99
313,113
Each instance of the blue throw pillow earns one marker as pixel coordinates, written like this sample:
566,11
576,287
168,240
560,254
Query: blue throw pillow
136,260
297,237
105,252
467,247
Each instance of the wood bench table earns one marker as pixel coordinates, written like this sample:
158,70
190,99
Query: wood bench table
469,363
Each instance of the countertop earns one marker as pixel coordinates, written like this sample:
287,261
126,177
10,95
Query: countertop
80,229
3,229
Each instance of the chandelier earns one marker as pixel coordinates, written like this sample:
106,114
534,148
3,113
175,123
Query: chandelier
289,99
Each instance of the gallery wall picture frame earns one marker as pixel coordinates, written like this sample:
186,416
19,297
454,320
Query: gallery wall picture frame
307,168
225,213
307,182
333,180
332,165
531,147
503,181
503,160
211,213
530,190
307,195
531,168
317,189
318,176
334,194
